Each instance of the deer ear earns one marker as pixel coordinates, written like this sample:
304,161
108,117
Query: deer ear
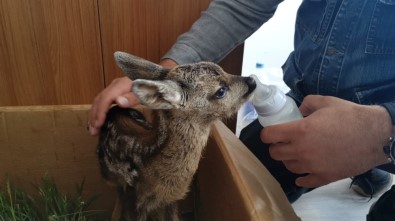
158,94
139,68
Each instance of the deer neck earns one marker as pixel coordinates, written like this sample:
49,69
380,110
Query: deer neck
179,120
185,129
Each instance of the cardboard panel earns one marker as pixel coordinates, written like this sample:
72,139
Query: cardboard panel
234,185
51,140
219,196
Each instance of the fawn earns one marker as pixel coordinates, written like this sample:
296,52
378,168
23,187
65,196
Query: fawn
152,159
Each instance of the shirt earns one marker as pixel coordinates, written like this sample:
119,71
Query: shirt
342,48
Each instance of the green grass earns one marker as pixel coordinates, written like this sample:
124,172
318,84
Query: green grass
50,205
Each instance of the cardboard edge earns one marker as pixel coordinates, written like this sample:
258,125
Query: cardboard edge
279,206
45,108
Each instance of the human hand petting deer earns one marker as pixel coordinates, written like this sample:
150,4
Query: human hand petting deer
335,140
117,92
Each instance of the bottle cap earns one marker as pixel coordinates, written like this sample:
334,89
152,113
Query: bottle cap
267,100
259,65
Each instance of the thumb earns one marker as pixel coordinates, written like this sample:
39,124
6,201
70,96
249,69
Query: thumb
311,103
127,100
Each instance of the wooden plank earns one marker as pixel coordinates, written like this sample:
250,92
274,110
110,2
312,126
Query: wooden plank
50,52
146,28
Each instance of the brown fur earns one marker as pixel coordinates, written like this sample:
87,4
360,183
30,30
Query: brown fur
153,162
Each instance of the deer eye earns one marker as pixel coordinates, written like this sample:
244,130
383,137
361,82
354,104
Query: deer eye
221,92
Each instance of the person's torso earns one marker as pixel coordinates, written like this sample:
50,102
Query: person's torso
344,48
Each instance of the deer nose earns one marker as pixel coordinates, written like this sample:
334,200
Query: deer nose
250,83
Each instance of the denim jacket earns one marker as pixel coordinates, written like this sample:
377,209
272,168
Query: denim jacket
342,48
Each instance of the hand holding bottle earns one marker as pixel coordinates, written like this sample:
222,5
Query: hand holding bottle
336,139
273,106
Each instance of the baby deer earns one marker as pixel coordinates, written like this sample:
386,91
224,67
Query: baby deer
152,159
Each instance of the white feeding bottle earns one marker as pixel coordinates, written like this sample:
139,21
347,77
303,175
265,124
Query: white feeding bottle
272,105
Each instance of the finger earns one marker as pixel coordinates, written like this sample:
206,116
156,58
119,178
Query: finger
281,133
310,181
282,152
295,166
104,100
101,110
103,104
311,103
127,100
98,113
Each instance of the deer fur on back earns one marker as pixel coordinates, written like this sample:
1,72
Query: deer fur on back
152,162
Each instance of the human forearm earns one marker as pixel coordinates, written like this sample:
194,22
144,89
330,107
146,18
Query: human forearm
225,24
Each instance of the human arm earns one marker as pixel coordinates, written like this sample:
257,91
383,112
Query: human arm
222,27
335,140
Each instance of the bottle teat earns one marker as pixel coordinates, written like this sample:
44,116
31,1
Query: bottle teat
262,91
267,100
